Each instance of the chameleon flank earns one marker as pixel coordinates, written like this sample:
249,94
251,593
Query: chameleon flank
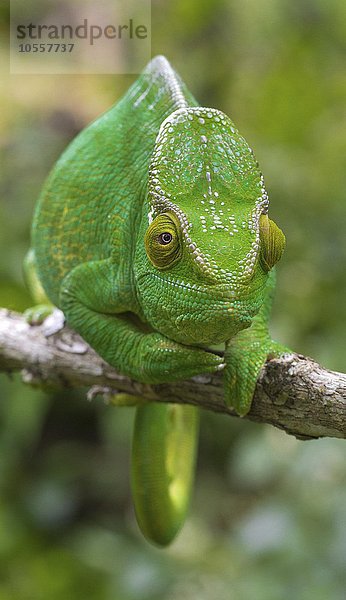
152,235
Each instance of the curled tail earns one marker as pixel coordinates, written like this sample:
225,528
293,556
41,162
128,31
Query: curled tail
163,464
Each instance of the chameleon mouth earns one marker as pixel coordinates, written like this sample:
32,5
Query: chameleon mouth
216,293
189,313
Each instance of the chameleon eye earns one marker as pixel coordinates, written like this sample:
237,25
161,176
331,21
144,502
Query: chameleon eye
162,241
272,242
165,238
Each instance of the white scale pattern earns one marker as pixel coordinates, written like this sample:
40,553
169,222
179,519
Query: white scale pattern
213,215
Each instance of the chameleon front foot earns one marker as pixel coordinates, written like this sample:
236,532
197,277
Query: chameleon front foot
245,356
162,360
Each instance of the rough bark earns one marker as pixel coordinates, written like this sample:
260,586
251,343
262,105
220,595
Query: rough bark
293,392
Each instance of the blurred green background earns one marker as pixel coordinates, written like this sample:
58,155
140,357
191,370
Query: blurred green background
268,519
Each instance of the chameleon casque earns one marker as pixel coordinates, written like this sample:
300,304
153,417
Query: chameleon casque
152,236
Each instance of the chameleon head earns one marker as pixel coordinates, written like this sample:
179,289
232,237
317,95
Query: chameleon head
208,242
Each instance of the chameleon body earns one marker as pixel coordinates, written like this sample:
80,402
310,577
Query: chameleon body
152,235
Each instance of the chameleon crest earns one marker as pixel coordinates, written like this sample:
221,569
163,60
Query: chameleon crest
204,171
152,235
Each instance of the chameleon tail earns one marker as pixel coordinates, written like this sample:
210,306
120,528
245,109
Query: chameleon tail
163,464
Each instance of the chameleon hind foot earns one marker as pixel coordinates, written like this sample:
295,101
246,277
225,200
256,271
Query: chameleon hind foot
35,315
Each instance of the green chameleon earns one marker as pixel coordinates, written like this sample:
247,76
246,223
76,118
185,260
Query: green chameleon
152,236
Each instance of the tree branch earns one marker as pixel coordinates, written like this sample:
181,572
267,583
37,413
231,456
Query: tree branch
293,392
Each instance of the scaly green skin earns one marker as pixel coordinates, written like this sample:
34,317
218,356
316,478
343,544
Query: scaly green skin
152,236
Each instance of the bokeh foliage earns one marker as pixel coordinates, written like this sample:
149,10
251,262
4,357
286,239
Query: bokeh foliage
268,518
